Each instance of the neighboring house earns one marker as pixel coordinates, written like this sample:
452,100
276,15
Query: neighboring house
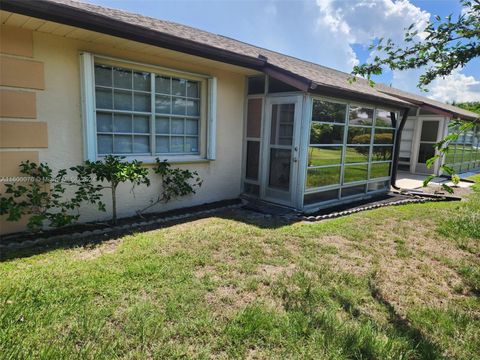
79,81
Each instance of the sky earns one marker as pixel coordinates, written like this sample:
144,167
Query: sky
333,33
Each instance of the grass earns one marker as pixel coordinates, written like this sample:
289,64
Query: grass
393,283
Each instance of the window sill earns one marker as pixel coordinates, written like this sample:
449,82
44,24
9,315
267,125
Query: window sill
151,160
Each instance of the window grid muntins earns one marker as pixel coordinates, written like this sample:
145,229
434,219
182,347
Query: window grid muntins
143,113
363,153
464,153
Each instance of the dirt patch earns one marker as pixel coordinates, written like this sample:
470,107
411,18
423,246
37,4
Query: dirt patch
274,271
95,251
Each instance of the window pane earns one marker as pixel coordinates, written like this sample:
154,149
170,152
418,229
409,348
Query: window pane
103,75
103,98
356,154
326,134
382,185
252,163
141,81
383,136
122,123
191,144
141,124
282,124
122,144
162,104
382,153
276,86
251,189
122,78
192,107
104,122
353,190
324,155
177,126
379,170
279,175
360,116
328,112
191,127
162,125
141,144
122,100
105,144
179,87
178,106
162,85
426,152
162,144
384,118
254,117
256,85
323,177
309,199
355,173
192,89
141,102
176,144
429,131
359,135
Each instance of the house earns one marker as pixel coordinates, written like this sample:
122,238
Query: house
80,81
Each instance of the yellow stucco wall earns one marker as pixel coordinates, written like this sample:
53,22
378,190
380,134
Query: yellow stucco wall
59,105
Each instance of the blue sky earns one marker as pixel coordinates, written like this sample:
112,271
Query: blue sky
334,33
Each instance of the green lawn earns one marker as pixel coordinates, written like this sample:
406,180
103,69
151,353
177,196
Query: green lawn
393,283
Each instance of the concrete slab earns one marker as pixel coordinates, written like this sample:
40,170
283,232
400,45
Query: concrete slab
406,180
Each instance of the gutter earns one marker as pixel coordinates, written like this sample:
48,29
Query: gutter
396,150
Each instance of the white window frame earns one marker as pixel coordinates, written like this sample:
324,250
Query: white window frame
207,120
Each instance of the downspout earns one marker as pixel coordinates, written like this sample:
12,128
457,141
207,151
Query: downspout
396,149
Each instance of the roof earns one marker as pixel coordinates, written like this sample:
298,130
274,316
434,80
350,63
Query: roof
302,74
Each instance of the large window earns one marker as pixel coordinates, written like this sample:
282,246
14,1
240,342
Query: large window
145,113
464,153
350,151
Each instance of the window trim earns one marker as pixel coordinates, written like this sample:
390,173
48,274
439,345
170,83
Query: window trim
207,118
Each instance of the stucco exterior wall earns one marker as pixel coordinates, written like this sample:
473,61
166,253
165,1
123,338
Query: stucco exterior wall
59,105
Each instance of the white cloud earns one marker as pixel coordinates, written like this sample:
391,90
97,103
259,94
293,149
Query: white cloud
456,87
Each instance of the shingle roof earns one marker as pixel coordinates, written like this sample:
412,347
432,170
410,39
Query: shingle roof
316,75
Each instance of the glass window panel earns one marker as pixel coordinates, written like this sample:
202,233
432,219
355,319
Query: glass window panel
179,106
253,156
141,81
383,136
378,170
256,85
122,123
103,98
383,119
141,102
122,100
359,135
251,189
163,104
103,75
162,144
426,152
254,117
193,107
326,134
324,155
318,197
382,153
328,112
162,85
279,175
360,116
323,177
282,124
176,144
105,144
356,154
141,124
376,186
429,131
104,122
179,87
191,127
122,144
192,89
191,144
276,86
355,173
353,190
122,78
162,125
141,144
177,126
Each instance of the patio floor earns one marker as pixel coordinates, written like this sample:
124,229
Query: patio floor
406,180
